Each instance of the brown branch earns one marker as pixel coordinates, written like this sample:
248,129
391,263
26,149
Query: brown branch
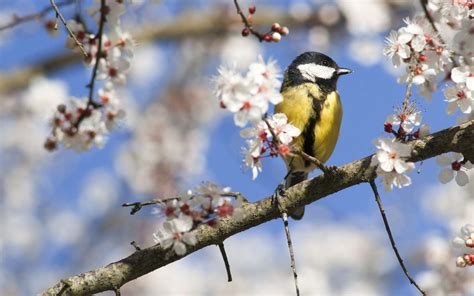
71,33
17,20
390,236
458,139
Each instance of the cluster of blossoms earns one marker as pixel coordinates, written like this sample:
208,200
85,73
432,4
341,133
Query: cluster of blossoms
418,47
275,34
86,121
426,56
248,97
465,242
261,143
206,204
392,153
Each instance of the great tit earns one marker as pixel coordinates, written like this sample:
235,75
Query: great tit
312,104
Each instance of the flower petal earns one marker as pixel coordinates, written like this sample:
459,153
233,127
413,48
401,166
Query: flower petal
445,175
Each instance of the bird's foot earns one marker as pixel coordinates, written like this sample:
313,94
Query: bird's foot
278,194
331,170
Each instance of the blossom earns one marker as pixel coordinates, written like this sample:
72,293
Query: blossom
423,73
390,156
391,179
459,97
413,34
464,74
390,163
114,67
252,157
406,118
455,167
248,96
284,131
465,243
396,50
175,233
264,79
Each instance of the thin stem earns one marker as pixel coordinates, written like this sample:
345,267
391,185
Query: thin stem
100,33
247,23
406,100
136,246
428,16
226,261
71,33
390,236
23,19
137,206
284,217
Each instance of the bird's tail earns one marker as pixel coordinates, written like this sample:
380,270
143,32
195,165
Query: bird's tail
294,178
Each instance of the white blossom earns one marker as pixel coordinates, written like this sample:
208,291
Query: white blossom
407,119
175,233
459,97
252,157
391,164
454,167
248,96
395,49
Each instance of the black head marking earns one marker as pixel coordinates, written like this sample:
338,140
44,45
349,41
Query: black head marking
313,67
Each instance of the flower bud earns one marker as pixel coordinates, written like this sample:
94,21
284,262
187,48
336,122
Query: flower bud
276,27
284,31
252,9
276,37
267,37
245,32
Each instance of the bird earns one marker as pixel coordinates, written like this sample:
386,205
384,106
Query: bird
311,103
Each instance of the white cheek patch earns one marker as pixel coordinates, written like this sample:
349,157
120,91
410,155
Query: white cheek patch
312,71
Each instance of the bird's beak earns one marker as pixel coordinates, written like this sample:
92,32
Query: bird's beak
343,71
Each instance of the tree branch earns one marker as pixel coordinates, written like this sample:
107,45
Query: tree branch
115,275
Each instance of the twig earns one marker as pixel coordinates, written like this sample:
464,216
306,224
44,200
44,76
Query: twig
136,246
137,206
226,261
390,236
406,100
428,16
312,159
260,36
23,19
71,33
284,217
100,33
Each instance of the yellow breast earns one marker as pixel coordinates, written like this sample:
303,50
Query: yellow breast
327,128
297,104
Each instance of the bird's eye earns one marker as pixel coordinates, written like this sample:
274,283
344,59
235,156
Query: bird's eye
325,63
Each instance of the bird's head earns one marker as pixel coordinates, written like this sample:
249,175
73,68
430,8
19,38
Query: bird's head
314,67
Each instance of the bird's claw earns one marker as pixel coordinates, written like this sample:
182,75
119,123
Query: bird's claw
279,192
331,170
